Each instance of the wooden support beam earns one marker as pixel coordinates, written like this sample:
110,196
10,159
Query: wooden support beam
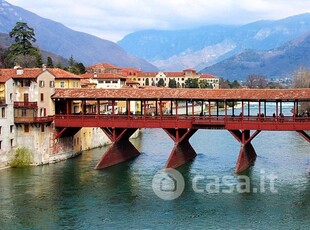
120,150
182,151
304,135
247,154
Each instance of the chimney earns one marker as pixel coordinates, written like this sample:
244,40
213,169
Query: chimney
43,67
19,70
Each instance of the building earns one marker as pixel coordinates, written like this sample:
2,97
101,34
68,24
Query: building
105,80
27,111
165,79
7,127
174,79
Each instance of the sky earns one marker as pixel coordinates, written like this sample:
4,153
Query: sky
113,19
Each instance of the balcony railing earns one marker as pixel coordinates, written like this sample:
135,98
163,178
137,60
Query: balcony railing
46,119
22,104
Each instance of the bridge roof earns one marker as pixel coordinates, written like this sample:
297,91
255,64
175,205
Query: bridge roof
199,94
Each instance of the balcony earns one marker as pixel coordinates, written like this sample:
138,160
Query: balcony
22,104
27,120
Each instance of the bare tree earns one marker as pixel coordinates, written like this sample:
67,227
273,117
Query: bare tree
301,78
255,81
2,57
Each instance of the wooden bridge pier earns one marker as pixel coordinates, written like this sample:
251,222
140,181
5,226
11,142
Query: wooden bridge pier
182,151
120,150
247,154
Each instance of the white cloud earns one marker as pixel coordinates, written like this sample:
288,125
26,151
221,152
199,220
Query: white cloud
114,19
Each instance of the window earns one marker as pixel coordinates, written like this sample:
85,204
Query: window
25,83
24,113
62,84
0,129
12,142
41,84
75,84
26,128
52,84
42,112
3,112
0,144
42,96
11,128
11,96
42,128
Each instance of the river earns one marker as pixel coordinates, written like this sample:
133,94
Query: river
72,195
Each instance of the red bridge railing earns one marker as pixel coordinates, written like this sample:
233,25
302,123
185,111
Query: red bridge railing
184,121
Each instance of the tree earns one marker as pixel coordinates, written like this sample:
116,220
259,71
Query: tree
224,84
74,67
205,84
301,79
59,65
23,36
81,68
147,81
172,83
161,82
256,81
49,63
235,85
191,83
3,53
23,50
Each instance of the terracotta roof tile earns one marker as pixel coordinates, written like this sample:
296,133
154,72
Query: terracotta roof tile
174,74
102,66
25,73
62,74
148,74
6,74
103,76
207,76
168,93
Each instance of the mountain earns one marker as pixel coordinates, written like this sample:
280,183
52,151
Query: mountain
205,46
56,38
275,63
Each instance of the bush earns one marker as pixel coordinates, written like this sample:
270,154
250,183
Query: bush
21,158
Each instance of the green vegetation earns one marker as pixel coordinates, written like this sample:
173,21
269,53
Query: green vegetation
75,67
205,84
23,52
191,83
161,82
147,81
21,158
226,84
172,83
49,63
